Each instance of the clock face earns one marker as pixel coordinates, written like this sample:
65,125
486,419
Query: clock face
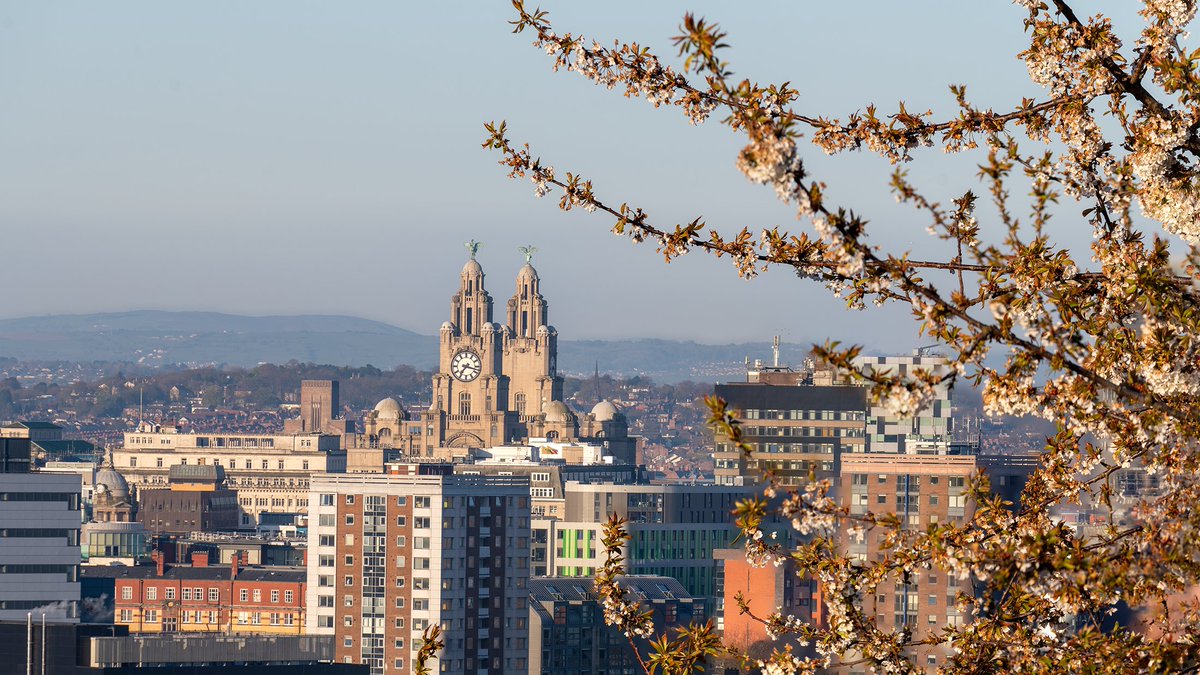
466,365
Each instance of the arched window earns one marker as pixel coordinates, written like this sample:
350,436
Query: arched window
464,403
519,403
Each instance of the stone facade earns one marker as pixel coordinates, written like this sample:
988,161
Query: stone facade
496,385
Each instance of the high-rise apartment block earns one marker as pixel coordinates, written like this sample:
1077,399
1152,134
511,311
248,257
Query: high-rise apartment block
390,555
923,490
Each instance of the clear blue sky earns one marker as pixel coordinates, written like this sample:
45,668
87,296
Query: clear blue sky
285,157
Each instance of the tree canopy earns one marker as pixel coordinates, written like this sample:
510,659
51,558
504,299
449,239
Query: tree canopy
1103,342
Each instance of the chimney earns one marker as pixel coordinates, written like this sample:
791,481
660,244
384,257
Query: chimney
199,558
234,562
159,562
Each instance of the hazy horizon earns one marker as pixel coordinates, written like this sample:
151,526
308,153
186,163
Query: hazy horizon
301,158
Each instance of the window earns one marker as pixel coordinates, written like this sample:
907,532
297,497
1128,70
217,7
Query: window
244,595
133,461
401,501
348,600
421,522
399,603
401,541
399,582
540,477
170,592
324,601
420,502
152,593
464,403
401,521
326,540
280,465
421,542
275,596
349,580
420,584
349,518
400,561
287,597
187,594
127,592
349,560
126,615
214,595
326,499
152,616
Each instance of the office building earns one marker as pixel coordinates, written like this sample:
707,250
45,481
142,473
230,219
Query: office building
797,429
39,544
270,472
195,500
568,635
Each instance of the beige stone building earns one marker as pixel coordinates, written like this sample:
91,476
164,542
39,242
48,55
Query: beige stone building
270,472
497,384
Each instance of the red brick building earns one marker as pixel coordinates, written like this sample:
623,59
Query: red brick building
205,598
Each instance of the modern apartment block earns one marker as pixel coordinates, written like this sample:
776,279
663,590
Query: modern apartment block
39,545
390,555
270,472
924,433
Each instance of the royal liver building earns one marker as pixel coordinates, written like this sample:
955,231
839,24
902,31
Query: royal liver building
497,384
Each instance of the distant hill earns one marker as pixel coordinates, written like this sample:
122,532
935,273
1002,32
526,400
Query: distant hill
166,338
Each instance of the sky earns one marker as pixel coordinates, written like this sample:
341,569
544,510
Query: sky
293,157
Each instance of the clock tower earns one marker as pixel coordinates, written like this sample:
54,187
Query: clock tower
470,389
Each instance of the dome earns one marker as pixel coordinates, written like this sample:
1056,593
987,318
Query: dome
605,411
390,409
446,325
472,268
527,273
112,482
556,411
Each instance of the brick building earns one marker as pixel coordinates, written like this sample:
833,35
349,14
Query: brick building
923,490
161,598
